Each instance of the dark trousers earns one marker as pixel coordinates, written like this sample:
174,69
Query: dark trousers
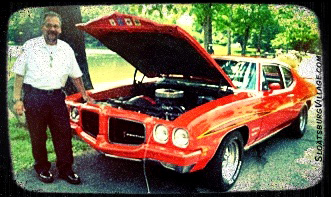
48,109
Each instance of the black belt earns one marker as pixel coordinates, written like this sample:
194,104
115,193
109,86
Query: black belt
30,88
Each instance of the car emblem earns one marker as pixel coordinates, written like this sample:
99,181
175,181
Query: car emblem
137,22
112,22
128,21
120,22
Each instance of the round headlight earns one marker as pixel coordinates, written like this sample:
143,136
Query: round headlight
161,134
74,114
180,138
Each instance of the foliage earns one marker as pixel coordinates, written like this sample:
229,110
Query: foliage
203,16
265,27
24,24
299,29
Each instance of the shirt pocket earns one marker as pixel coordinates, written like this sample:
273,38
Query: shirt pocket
39,62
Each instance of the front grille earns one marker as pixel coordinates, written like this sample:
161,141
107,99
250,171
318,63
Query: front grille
126,132
90,122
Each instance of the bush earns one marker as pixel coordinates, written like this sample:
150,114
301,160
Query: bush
290,59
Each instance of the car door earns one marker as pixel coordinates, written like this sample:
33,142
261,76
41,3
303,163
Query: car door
276,102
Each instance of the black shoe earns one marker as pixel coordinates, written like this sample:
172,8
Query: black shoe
70,177
45,176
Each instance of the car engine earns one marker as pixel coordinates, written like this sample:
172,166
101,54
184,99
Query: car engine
166,103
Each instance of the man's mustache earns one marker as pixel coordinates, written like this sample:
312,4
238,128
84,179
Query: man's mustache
53,32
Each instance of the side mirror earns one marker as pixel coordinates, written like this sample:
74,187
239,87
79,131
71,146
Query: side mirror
274,86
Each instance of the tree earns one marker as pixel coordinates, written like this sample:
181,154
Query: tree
24,25
244,20
223,14
203,13
299,30
265,29
264,21
71,15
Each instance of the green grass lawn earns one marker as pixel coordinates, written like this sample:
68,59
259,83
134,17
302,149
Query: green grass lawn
111,67
20,146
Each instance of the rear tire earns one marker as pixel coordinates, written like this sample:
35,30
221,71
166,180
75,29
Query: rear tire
299,126
223,170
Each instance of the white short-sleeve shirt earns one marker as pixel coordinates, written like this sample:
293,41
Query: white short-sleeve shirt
46,67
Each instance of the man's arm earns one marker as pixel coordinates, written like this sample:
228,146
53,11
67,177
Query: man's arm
78,82
17,96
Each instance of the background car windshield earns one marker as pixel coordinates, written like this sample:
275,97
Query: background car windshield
243,75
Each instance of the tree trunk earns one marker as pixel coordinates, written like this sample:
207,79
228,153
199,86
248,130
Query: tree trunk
229,31
259,40
229,41
71,15
207,27
244,45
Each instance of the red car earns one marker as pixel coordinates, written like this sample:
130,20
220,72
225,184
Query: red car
194,112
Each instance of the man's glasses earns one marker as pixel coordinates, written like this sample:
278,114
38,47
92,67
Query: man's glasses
49,26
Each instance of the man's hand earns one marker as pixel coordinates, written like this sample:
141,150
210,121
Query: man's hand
88,99
80,86
19,108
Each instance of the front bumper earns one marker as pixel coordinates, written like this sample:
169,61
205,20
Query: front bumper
179,169
182,161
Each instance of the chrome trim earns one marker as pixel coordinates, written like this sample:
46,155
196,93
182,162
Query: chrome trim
119,157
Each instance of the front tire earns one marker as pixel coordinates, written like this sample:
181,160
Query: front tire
223,170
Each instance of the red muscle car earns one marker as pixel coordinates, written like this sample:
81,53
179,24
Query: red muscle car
191,111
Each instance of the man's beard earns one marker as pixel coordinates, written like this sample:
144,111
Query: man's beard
51,37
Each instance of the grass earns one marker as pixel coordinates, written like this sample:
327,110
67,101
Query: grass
21,151
108,68
111,67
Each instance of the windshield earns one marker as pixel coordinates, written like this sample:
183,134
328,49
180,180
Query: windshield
242,74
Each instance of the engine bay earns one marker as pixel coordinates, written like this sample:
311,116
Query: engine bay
165,101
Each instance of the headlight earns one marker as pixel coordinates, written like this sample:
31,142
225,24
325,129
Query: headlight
161,134
74,114
180,138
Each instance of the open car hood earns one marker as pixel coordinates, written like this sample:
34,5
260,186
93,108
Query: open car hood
155,49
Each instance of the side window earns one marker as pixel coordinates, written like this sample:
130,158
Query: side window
272,74
288,78
264,82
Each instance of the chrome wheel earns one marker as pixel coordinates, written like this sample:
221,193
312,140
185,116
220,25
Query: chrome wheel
298,127
231,160
224,168
303,119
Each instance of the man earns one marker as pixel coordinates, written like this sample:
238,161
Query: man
41,71
210,49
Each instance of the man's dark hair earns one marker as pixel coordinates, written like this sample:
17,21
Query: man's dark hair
51,14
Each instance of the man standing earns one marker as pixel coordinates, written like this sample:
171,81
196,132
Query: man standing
41,71
210,49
